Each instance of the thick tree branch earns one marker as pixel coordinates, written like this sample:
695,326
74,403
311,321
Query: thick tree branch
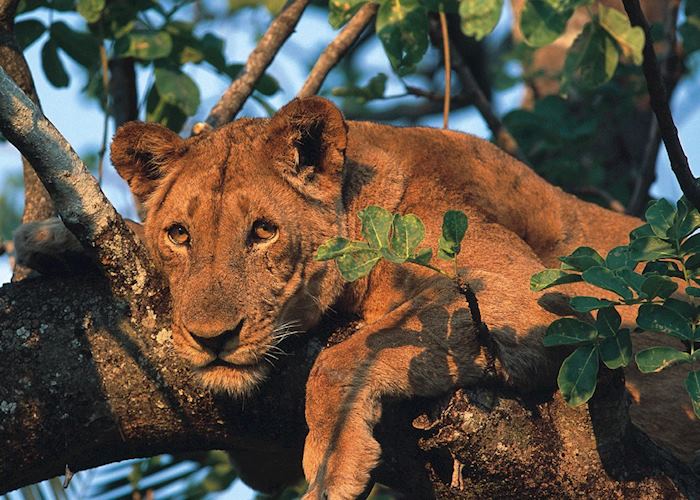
37,202
84,383
232,100
659,104
83,207
335,50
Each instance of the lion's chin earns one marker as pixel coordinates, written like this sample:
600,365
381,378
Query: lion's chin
235,380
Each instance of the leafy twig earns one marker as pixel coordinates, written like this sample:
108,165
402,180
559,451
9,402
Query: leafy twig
659,104
335,50
260,58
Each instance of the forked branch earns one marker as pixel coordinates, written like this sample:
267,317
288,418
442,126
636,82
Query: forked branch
337,49
83,207
232,100
659,104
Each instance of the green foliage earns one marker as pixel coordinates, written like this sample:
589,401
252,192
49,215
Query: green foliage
402,27
479,17
374,89
392,237
669,250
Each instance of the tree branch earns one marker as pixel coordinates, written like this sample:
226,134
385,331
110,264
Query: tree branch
110,387
659,104
232,100
83,207
335,50
37,202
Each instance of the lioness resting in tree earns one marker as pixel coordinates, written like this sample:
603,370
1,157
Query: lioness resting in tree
234,219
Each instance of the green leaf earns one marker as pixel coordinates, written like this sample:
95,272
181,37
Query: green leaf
630,39
178,89
616,351
145,45
591,60
552,277
608,322
355,265
374,89
83,48
587,304
407,232
578,375
650,248
656,359
454,227
691,245
27,32
660,215
662,319
422,257
91,10
479,17
633,279
341,11
160,111
641,232
693,262
402,27
618,258
335,247
543,21
658,286
606,279
53,66
691,219
376,224
582,258
682,307
693,292
692,385
567,331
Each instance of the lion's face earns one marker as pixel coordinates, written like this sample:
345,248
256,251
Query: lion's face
234,219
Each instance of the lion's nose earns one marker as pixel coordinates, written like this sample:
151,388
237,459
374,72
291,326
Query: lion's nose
217,343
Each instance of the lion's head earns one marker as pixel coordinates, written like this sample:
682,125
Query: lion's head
233,220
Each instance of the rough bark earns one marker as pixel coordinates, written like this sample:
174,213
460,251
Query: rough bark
84,382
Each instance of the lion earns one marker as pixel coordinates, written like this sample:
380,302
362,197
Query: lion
234,219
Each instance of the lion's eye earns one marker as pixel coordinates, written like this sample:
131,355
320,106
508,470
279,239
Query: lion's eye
264,230
178,234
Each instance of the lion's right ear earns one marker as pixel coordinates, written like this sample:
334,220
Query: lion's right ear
141,153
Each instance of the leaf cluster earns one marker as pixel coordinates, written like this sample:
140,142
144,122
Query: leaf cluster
661,254
393,237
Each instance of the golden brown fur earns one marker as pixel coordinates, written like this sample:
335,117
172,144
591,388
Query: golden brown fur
309,172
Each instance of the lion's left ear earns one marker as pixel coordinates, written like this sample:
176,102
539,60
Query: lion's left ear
312,135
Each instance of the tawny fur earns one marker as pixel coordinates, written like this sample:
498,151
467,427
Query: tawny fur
309,172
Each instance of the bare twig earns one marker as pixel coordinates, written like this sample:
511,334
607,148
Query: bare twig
448,68
659,104
232,101
105,105
671,73
471,89
83,207
335,50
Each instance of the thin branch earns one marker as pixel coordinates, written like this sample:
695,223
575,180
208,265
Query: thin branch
337,49
671,73
37,202
474,94
448,68
105,105
659,104
83,207
232,100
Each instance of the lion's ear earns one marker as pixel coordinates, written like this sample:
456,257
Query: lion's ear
313,136
141,152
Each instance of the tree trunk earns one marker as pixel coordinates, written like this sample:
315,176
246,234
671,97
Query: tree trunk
85,383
